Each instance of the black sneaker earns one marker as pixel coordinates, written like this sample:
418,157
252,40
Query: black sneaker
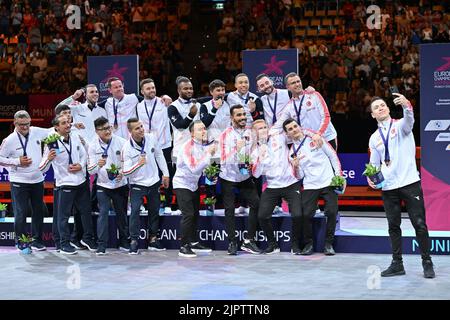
329,251
134,247
90,244
38,246
232,248
58,246
251,247
100,251
77,245
186,252
307,250
156,246
295,249
68,249
428,270
125,246
395,269
272,248
197,247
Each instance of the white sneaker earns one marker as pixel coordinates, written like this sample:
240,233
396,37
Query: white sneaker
176,213
319,214
278,210
242,210
167,210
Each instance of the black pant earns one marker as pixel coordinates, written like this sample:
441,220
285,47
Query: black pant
119,198
77,232
247,190
137,195
188,203
413,196
168,193
78,197
270,198
309,205
22,195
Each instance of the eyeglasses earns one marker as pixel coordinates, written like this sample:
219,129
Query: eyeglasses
24,124
104,129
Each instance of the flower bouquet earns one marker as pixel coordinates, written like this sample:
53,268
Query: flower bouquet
52,141
338,183
375,175
113,172
210,205
211,173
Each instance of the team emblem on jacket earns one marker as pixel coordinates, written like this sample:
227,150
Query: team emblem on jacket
393,132
312,145
38,142
308,103
118,152
153,150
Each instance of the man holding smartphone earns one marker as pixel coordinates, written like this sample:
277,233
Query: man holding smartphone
393,148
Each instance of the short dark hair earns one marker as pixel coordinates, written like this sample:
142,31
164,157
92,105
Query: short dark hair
240,75
145,81
56,120
110,80
180,80
289,75
375,98
234,107
60,108
286,122
260,76
130,121
100,121
216,84
192,124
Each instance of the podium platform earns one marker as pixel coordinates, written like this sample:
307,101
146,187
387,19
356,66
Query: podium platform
353,234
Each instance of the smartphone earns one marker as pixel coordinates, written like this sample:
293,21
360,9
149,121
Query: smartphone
393,89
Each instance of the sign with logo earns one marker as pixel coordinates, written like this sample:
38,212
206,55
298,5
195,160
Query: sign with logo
275,63
435,130
126,68
353,165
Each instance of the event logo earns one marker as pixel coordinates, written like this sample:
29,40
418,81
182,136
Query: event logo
116,72
274,66
440,125
442,75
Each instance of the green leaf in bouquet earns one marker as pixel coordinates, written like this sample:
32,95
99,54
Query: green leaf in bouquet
244,158
25,238
212,170
51,138
113,169
3,206
337,181
370,170
210,201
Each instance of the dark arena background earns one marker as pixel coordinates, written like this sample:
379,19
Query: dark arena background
348,52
